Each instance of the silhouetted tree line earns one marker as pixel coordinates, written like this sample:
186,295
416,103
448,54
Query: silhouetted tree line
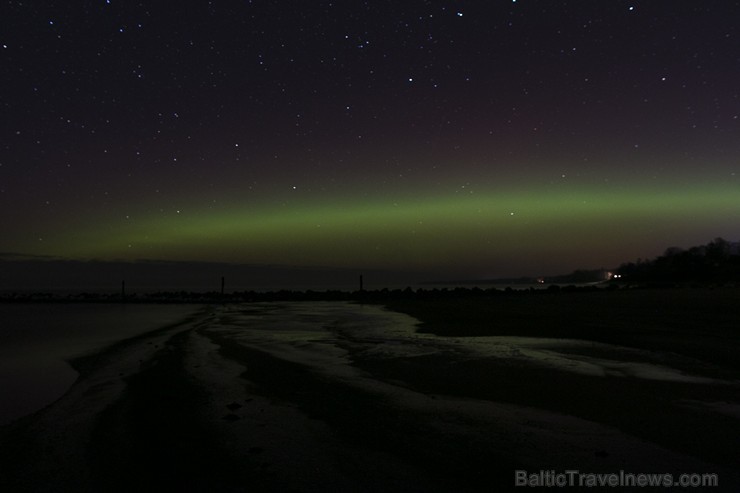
716,262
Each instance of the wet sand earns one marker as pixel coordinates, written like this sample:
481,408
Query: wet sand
37,340
338,396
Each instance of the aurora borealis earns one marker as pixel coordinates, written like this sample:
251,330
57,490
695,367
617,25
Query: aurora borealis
453,139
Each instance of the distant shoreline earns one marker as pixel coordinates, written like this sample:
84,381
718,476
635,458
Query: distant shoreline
451,291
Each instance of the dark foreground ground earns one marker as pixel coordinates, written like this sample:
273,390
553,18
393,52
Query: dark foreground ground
694,330
340,397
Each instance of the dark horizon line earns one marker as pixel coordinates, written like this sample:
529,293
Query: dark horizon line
290,294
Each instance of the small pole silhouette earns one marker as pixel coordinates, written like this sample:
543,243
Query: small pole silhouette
222,285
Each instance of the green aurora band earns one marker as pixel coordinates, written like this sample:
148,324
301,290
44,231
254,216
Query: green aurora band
474,234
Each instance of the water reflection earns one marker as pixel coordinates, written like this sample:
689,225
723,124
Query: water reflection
37,340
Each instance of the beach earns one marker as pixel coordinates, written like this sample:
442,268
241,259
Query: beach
348,396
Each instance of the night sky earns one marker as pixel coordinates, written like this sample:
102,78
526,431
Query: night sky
467,139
